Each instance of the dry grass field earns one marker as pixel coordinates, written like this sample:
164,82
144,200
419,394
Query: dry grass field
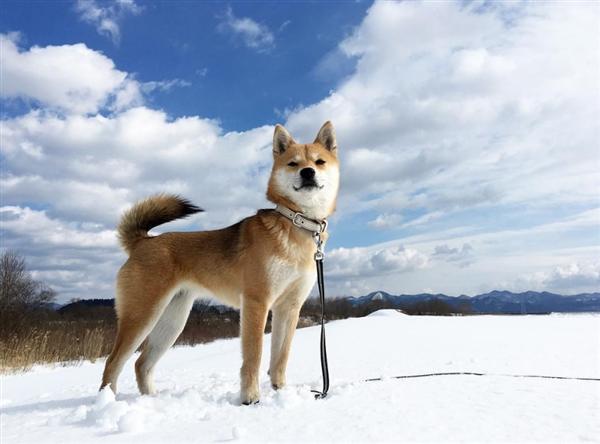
67,337
71,341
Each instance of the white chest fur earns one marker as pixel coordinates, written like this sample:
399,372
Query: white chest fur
287,280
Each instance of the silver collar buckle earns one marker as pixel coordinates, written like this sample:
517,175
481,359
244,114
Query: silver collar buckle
298,219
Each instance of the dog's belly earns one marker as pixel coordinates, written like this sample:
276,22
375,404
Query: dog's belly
281,278
225,296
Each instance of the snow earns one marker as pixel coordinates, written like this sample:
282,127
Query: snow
198,399
377,296
386,313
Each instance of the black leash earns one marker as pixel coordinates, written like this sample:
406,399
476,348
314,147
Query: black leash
425,375
325,368
316,227
320,283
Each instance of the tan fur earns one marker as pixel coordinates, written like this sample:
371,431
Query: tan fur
259,264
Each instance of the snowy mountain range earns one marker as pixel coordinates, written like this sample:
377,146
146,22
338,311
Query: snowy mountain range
492,302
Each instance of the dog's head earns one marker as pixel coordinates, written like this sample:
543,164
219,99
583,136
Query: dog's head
305,177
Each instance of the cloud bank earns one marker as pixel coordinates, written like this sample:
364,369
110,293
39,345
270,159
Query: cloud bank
68,78
451,109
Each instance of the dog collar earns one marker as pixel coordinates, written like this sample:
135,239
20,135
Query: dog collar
301,221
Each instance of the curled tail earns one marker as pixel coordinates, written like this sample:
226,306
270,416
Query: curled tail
149,213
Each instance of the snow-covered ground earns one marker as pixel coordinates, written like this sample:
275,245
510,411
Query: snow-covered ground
198,388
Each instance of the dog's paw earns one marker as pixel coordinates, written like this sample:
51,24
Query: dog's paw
250,402
277,380
249,397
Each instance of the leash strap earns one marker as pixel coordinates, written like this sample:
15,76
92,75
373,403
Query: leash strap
321,284
316,227
426,375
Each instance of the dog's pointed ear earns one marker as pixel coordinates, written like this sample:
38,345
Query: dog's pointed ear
326,136
281,139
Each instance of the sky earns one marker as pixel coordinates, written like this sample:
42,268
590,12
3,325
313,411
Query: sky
468,132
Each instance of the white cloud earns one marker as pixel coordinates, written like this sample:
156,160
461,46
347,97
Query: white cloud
106,16
424,219
91,168
165,85
69,78
334,65
129,94
45,231
573,277
448,109
461,108
463,257
253,34
385,221
85,170
79,260
360,262
470,260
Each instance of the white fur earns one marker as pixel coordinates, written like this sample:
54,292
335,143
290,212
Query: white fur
162,337
282,274
291,290
315,203
233,299
139,338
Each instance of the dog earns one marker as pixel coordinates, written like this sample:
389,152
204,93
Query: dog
264,262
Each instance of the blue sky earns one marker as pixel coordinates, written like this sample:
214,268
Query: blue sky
241,88
468,132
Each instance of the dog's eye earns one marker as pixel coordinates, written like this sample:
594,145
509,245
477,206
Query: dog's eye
320,162
292,164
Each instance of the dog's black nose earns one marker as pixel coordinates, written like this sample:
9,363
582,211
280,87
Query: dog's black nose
307,173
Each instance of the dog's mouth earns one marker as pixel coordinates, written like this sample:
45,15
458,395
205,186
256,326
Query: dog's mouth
309,185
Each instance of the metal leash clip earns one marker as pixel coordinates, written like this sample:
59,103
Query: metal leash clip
319,255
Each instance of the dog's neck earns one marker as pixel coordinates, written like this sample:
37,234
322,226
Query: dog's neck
302,221
315,210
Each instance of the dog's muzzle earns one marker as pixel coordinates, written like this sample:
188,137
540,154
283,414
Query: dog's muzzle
308,180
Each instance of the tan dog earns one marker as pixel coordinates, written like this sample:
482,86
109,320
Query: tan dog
264,262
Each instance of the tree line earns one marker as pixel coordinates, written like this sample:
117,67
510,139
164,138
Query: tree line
33,331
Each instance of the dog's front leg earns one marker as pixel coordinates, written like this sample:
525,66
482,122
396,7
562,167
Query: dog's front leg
253,319
285,319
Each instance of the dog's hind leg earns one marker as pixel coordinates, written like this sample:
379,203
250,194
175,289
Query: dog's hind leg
129,338
135,321
161,338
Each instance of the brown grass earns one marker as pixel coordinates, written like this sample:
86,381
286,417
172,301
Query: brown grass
85,332
64,342
49,339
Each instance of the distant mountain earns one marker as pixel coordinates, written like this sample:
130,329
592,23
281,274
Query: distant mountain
86,303
83,305
51,306
500,302
494,302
